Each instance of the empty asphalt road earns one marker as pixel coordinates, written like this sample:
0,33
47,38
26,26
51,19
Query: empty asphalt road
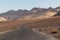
26,34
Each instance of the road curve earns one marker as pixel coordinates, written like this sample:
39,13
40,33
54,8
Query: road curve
26,34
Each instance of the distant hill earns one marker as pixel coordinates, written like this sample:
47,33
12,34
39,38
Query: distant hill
34,12
46,14
57,14
12,15
57,8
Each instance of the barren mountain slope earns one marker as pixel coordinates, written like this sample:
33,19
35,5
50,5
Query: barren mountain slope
34,12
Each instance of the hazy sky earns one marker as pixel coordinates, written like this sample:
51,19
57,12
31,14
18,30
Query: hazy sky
6,5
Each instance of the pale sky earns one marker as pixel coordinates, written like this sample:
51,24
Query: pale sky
6,5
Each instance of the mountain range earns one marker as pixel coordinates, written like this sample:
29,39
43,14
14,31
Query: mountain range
33,13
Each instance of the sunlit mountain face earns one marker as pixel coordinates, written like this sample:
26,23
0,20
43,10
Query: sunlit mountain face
33,13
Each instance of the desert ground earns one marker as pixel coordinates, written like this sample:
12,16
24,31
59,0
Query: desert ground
48,25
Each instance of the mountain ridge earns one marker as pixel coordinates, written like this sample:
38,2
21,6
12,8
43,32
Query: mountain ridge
13,15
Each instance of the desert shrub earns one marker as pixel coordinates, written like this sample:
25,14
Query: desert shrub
54,30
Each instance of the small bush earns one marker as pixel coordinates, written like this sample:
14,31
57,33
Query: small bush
54,30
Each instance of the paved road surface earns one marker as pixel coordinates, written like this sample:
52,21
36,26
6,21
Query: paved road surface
5,32
25,34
